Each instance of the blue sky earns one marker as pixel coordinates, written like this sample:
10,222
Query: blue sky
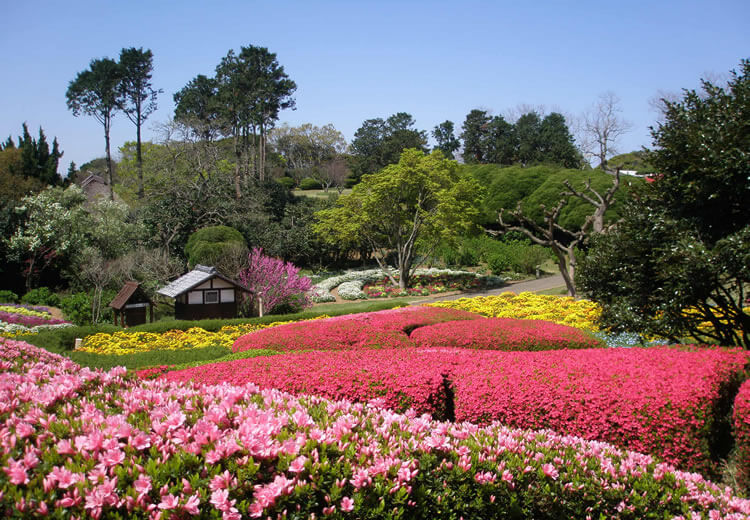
358,60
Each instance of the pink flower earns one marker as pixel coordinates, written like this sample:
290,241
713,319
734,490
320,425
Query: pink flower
16,472
347,504
169,502
191,505
298,464
550,471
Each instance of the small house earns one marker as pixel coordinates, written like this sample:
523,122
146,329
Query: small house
204,293
130,305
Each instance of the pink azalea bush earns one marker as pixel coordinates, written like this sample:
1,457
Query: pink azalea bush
504,334
741,418
661,401
80,443
384,329
276,282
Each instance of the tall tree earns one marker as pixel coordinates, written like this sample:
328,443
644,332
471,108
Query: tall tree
137,94
252,88
446,139
602,127
475,134
95,92
197,106
556,142
36,160
501,142
527,130
378,143
403,208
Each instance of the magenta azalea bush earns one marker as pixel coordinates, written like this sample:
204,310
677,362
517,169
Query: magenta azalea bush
383,329
742,434
660,401
80,443
276,282
504,334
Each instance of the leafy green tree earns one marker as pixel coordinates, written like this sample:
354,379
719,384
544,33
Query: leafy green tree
138,96
527,130
502,142
404,208
52,230
556,143
679,259
95,92
378,143
475,135
197,106
35,159
446,139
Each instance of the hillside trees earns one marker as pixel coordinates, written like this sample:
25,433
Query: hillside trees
243,102
404,209
378,143
530,140
678,263
446,139
312,151
601,128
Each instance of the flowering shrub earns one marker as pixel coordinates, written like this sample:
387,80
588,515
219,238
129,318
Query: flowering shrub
661,401
383,329
742,434
19,320
276,282
352,290
93,444
25,310
503,334
565,310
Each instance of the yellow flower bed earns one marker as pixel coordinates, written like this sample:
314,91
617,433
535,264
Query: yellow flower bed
123,342
24,311
565,310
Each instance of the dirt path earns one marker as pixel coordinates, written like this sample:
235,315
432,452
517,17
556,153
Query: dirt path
56,313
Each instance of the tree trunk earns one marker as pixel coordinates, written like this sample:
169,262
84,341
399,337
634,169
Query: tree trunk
237,165
565,272
109,160
139,157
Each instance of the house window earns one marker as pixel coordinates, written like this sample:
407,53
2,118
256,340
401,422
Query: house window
211,297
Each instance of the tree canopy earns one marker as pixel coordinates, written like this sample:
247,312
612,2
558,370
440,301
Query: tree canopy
678,263
404,210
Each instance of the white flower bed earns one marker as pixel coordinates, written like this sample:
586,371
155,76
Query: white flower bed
15,329
350,284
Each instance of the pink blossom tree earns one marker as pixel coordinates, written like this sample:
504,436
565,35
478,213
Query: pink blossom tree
275,282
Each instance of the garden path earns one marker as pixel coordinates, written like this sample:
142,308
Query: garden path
540,284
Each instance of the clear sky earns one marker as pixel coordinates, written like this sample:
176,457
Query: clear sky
356,60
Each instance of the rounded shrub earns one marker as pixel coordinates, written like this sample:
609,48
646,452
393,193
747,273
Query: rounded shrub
7,296
208,245
41,296
309,184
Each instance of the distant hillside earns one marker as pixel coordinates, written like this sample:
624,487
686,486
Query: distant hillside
541,185
631,161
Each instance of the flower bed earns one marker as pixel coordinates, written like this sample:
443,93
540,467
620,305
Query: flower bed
503,334
742,435
124,342
581,314
661,401
82,443
383,329
19,320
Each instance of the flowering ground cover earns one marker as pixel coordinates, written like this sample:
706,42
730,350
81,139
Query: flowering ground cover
504,334
83,443
581,314
19,320
741,425
383,329
662,401
424,285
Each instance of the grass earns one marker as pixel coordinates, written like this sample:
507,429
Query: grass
320,194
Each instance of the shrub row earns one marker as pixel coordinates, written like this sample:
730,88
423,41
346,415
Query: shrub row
149,448
662,401
741,421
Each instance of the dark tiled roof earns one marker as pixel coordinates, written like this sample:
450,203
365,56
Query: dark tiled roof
197,276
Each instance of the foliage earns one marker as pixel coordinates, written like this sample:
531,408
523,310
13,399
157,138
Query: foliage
95,92
309,184
274,282
446,139
378,143
82,308
31,158
7,296
209,244
365,461
41,296
685,269
637,161
409,206
542,185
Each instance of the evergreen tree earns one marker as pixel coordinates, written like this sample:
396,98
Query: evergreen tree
446,139
527,129
475,135
502,143
556,142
